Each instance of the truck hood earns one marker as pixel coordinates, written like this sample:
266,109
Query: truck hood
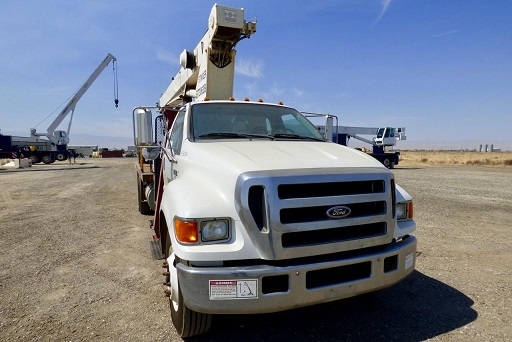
241,156
205,174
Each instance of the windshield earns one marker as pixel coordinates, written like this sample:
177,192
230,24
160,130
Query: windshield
250,120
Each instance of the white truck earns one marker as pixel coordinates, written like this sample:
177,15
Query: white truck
383,137
254,210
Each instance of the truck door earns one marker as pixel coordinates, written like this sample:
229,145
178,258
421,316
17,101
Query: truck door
174,142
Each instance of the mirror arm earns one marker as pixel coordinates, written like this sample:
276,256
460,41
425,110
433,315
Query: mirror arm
169,154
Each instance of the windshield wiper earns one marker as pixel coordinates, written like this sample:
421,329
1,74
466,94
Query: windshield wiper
294,136
227,135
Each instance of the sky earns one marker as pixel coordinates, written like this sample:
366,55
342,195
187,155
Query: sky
441,69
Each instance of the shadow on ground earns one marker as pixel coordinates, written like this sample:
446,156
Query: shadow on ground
416,309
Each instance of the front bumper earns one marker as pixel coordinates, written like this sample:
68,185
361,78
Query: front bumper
264,288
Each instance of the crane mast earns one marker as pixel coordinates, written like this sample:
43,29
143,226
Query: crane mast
62,137
208,71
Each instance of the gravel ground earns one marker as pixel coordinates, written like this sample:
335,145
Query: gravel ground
75,264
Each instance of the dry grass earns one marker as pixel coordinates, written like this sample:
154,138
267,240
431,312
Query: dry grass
415,158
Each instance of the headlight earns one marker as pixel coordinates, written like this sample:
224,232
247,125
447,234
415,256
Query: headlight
404,211
401,211
214,230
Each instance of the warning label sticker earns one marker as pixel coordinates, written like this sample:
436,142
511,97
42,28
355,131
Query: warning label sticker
233,289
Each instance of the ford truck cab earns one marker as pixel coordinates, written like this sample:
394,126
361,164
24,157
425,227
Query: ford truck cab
260,213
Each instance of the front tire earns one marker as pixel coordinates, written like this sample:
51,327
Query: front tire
386,162
187,322
46,159
34,158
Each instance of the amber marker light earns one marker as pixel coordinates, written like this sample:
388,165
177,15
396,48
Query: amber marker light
186,231
410,211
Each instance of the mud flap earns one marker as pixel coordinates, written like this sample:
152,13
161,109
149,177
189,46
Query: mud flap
156,253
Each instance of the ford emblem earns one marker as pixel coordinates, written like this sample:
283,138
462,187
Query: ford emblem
338,212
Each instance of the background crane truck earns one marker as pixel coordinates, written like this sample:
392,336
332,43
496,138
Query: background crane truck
52,145
383,137
254,210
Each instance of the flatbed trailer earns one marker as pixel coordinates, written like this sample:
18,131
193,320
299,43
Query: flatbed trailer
12,149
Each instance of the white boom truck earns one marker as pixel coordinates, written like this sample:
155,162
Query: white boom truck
254,210
58,139
383,137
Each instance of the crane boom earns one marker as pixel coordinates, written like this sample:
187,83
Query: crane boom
62,138
208,71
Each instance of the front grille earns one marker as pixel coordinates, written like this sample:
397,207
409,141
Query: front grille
286,191
318,213
323,236
285,212
257,205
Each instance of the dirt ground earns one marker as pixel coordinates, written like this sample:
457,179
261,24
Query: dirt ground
75,264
